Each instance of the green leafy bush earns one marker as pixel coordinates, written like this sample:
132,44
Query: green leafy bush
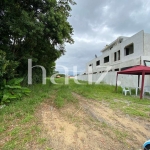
10,87
12,90
7,68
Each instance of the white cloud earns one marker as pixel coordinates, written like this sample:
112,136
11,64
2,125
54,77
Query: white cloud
99,22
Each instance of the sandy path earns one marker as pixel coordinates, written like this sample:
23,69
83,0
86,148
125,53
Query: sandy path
91,125
102,113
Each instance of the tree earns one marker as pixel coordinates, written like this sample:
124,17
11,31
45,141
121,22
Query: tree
35,29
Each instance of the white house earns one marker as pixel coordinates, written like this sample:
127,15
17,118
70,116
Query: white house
123,53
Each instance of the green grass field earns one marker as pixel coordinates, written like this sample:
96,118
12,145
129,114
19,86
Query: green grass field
18,125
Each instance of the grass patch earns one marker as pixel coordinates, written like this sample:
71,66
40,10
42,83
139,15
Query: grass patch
64,95
135,112
42,140
120,135
106,93
18,126
114,133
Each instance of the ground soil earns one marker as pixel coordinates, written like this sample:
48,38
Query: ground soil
90,125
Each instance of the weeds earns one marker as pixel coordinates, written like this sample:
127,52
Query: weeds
127,104
17,121
18,125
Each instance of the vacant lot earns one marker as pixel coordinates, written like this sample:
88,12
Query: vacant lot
73,117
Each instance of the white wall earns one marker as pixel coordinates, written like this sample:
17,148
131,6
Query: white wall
141,43
125,61
110,78
146,44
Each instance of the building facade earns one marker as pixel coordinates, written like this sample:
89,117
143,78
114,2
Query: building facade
123,53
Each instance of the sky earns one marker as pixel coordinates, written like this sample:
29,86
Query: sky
97,23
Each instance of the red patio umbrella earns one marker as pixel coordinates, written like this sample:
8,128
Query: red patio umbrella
137,70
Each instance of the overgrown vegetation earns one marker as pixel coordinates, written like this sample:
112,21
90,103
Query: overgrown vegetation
128,104
10,89
19,127
34,30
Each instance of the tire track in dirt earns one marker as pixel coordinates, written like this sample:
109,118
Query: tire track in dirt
81,126
138,129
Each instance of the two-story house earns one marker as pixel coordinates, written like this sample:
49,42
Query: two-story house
123,53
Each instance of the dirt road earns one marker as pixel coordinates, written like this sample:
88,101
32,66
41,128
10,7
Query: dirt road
91,125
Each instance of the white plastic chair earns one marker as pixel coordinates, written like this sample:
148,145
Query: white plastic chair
125,90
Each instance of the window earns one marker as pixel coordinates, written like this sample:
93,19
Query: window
126,68
106,59
117,69
115,56
98,63
111,47
119,55
120,40
129,49
147,63
90,64
94,72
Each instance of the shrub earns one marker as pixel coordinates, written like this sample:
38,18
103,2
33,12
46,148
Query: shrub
9,88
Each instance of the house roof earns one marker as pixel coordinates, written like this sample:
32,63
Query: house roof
137,70
118,40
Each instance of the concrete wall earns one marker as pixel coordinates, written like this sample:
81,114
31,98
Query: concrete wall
110,78
146,44
141,43
138,41
125,61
